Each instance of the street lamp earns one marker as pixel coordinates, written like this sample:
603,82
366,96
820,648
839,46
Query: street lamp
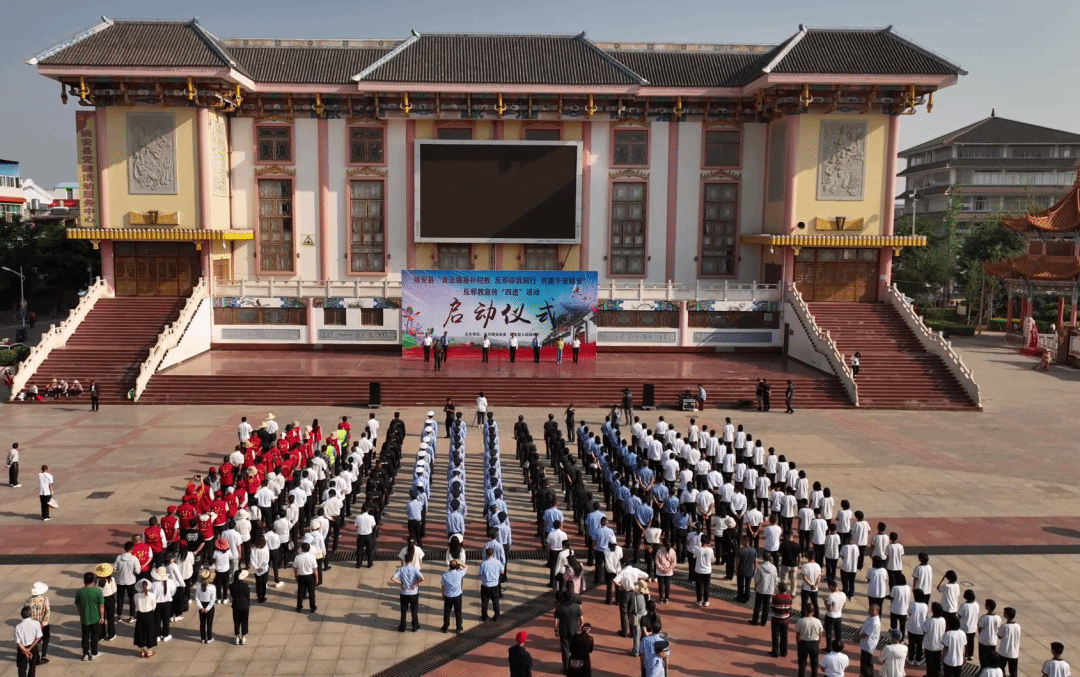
914,207
22,296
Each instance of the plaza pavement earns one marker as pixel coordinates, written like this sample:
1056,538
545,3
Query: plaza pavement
998,478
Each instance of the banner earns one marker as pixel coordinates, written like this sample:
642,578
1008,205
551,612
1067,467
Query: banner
469,304
86,138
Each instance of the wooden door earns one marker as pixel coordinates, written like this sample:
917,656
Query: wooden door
156,268
221,270
829,274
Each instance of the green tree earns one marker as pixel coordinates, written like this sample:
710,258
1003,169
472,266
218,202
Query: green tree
985,240
51,262
927,273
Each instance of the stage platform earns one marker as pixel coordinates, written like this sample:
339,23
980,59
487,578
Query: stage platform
277,377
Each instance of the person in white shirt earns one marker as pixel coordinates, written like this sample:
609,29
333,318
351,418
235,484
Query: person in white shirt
365,537
243,431
373,429
481,409
893,655
917,615
849,567
13,466
811,581
988,626
28,637
922,579
969,621
950,594
877,585
894,557
1056,667
773,532
45,491
954,642
869,636
834,612
835,663
305,567
900,596
1009,641
933,634
271,425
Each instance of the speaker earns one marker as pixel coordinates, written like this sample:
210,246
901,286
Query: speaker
375,393
648,395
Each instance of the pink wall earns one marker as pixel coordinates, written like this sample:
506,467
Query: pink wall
324,202
410,216
672,199
586,190
108,270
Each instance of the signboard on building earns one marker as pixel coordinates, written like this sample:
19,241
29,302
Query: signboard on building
469,304
86,138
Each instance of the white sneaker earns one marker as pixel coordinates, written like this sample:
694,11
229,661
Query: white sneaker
179,618
46,519
279,584
15,486
238,640
86,657
166,638
210,641
243,640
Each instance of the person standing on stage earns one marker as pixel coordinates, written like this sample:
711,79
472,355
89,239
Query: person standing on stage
444,346
536,348
485,346
427,347
513,347
575,346
559,345
439,357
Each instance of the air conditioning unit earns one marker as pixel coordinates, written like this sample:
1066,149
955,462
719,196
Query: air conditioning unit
35,205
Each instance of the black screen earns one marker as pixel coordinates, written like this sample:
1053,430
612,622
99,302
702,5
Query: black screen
488,191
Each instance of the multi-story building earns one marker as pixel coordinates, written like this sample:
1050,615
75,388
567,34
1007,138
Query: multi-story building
286,171
994,165
11,196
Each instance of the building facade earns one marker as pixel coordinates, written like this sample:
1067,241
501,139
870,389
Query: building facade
995,166
11,196
284,171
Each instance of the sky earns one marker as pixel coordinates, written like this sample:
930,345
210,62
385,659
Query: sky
1020,55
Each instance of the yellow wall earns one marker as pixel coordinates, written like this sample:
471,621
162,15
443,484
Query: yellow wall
774,211
807,206
121,202
220,217
512,130
510,254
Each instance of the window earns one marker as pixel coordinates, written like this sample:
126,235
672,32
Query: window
627,229
455,133
638,318
366,145
719,228
295,316
941,154
366,233
275,144
733,320
543,134
1070,151
631,148
333,316
981,151
275,226
721,149
1031,151
542,257
371,317
455,257
70,193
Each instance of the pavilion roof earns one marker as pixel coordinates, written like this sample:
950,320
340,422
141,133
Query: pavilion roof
1036,267
1062,217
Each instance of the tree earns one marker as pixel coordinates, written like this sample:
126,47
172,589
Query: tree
51,262
985,240
927,273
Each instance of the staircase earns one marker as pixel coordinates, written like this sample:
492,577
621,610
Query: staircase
810,393
896,372
110,345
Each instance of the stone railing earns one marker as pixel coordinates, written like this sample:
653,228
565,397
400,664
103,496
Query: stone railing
823,342
390,287
58,334
934,343
168,339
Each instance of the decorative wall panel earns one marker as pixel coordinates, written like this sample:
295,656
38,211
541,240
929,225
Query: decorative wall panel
151,153
842,160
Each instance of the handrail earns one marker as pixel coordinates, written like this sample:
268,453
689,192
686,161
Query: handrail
171,336
391,285
58,334
823,342
935,343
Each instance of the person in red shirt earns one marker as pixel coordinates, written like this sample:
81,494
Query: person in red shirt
227,473
187,513
206,530
221,514
232,502
154,536
316,431
170,524
142,552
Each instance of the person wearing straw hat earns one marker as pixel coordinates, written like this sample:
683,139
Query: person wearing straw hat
163,588
90,601
40,612
205,599
240,592
271,425
105,581
146,637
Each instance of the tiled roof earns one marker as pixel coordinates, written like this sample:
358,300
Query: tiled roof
1007,164
142,43
692,69
1063,217
997,130
514,59
518,59
857,51
305,64
1036,267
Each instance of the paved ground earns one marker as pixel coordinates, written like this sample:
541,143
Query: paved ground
1007,476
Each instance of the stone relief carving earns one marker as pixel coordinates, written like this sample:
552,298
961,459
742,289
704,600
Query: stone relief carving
636,336
842,161
219,157
358,335
703,337
151,153
260,334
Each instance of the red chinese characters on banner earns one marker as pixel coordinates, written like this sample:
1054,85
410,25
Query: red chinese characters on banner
86,139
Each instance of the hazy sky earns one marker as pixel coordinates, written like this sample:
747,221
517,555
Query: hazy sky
1020,55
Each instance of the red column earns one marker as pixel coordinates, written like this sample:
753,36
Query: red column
884,272
1008,313
1061,312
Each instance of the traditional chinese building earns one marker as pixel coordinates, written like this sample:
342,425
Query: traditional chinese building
285,171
